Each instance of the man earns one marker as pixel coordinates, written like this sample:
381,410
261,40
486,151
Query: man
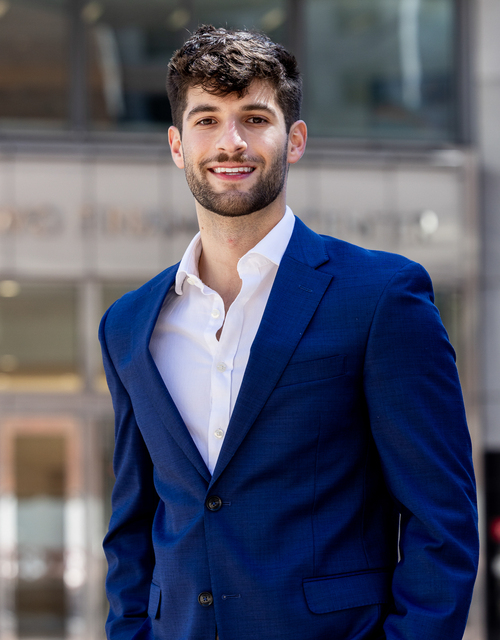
292,458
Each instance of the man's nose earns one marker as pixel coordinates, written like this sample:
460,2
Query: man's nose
231,139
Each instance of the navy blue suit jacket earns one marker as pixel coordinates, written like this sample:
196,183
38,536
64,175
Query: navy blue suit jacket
348,432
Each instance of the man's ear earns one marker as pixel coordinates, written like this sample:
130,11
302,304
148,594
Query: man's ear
297,138
174,140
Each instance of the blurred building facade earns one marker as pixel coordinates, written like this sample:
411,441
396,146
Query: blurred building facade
92,206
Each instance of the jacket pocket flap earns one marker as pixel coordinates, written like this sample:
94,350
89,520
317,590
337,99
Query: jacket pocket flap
154,601
334,593
312,370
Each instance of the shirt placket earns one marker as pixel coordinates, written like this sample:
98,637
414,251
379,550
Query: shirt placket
220,380
223,365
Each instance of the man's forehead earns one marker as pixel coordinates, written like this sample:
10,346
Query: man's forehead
259,92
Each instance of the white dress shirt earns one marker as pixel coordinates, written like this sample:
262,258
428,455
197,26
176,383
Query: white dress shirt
202,374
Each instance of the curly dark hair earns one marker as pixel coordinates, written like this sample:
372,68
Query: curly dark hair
223,61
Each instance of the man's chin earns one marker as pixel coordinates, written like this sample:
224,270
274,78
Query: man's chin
231,214
231,207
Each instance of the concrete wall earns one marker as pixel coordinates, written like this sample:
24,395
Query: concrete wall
75,216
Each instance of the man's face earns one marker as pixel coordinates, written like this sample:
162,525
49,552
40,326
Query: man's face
234,150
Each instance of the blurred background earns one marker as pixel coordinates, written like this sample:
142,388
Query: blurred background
402,99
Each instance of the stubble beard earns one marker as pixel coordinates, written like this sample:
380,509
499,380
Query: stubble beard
234,203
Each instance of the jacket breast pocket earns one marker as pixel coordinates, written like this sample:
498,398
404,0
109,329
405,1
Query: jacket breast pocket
346,591
311,370
154,601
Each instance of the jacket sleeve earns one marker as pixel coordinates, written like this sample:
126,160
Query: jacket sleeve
128,543
419,427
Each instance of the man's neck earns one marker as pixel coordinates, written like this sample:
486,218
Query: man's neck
225,240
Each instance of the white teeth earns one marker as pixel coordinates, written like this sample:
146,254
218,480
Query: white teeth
232,169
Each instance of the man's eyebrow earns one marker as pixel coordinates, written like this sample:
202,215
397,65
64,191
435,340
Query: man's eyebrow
211,108
202,108
259,106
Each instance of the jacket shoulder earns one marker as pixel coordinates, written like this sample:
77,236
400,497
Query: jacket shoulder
340,258
122,314
367,269
354,256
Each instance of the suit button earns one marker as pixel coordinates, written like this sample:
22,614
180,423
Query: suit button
205,598
214,503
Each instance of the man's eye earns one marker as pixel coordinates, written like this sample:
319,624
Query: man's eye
206,121
257,120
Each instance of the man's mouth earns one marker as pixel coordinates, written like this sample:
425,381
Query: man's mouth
232,170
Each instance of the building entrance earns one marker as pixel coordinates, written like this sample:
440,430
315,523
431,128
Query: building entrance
42,544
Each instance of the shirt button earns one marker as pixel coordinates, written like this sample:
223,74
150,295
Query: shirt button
215,313
219,433
191,281
221,366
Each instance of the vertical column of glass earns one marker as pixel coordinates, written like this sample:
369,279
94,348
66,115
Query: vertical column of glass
8,542
33,64
40,477
381,69
130,44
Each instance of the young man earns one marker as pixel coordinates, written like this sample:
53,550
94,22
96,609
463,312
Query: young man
292,458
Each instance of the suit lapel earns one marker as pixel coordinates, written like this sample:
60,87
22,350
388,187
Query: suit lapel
295,296
147,310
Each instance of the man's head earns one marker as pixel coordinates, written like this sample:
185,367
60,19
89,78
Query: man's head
224,61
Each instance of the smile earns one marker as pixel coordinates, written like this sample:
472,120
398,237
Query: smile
232,170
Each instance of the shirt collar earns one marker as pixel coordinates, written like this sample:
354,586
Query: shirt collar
188,267
272,247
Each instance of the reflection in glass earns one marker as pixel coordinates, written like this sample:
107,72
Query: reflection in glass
129,46
38,342
381,69
131,42
268,16
40,488
33,63
373,68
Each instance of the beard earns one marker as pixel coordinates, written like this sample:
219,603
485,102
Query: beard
233,203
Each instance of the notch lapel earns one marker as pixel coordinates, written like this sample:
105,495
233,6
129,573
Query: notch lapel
147,310
295,296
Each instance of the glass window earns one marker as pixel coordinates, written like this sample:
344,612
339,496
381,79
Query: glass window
268,16
380,69
40,491
38,336
373,69
131,42
129,45
33,63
